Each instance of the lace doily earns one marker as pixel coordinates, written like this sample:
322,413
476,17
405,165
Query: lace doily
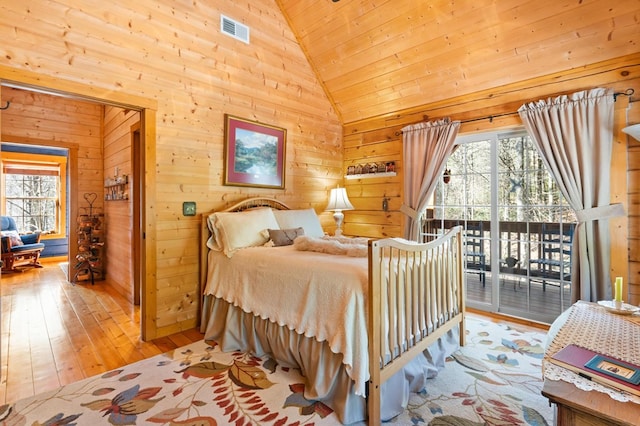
555,372
592,327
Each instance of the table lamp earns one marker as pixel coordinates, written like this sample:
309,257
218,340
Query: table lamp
338,201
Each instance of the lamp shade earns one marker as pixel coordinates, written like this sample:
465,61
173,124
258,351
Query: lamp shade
633,131
338,200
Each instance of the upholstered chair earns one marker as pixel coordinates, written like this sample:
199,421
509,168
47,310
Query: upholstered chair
19,250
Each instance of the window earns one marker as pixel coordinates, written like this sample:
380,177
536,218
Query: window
34,191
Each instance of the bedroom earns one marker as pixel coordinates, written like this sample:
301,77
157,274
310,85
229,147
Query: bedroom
173,58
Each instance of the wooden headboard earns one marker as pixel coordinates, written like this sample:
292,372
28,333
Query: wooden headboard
252,203
205,233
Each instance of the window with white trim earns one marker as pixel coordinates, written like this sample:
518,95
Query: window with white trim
34,191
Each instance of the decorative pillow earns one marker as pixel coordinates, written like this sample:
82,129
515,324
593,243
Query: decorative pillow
31,238
284,237
14,237
233,231
306,219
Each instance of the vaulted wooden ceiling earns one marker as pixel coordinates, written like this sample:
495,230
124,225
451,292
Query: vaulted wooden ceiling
375,57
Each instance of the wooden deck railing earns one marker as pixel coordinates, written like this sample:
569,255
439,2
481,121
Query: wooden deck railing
538,250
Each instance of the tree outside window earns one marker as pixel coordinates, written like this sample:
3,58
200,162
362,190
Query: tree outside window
32,201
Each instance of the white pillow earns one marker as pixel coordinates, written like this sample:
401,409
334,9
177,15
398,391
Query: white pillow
233,231
305,219
14,237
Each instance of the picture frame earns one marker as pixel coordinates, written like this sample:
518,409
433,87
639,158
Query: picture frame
615,368
254,153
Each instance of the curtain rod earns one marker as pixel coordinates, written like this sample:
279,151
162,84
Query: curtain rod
627,92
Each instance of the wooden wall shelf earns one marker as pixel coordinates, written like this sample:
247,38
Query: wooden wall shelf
116,189
369,175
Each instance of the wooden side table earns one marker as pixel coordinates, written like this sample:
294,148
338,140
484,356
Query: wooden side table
588,408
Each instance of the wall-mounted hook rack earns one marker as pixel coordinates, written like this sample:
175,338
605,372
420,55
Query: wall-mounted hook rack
6,106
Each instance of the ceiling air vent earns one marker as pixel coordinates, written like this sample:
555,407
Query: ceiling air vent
234,29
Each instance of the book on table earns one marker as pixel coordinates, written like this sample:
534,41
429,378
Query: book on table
600,368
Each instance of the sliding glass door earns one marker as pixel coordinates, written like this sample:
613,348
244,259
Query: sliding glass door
518,227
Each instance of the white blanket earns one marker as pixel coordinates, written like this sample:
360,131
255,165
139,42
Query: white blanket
318,295
355,247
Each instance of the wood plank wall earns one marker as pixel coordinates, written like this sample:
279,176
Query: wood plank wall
42,119
633,178
368,219
173,53
379,139
119,213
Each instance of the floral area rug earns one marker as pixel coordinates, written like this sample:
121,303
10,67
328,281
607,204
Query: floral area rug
193,385
495,380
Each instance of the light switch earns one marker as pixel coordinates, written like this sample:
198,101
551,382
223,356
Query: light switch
189,208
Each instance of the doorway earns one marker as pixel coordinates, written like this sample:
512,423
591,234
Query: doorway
146,147
137,189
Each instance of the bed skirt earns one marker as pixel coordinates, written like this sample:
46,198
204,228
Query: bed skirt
327,379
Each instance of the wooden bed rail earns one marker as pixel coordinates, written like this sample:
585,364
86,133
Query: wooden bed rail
416,295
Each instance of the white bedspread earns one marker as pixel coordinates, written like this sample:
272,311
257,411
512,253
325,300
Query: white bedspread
318,295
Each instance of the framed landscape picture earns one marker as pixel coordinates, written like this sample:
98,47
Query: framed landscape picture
254,153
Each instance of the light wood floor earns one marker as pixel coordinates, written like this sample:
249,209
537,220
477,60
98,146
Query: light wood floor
54,333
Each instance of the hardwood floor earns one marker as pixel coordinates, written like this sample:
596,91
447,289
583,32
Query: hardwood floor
54,333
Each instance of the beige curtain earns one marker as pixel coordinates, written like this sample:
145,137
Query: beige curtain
574,135
426,147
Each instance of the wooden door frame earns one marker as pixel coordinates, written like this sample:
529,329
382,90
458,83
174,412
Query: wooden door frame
136,194
27,80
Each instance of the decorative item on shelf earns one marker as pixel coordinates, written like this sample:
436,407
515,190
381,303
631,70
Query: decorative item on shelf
633,131
116,188
338,202
116,180
371,170
446,176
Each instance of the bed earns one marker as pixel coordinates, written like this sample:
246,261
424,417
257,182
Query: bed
365,321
